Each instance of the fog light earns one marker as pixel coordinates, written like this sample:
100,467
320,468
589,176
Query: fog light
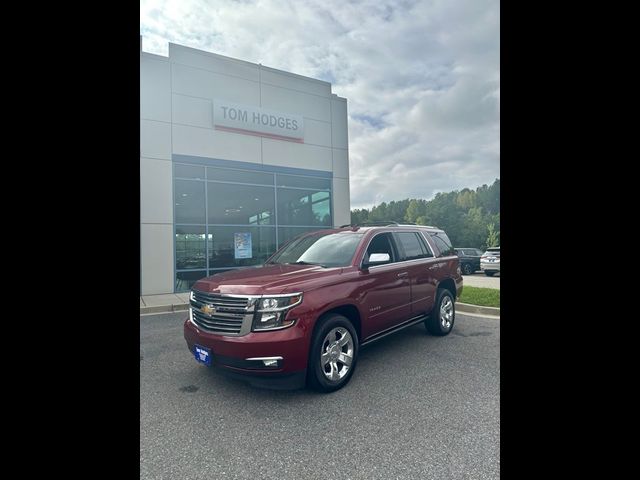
265,362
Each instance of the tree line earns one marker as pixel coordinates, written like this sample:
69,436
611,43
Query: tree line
471,218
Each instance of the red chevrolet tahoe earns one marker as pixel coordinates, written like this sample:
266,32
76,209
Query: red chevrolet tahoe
302,317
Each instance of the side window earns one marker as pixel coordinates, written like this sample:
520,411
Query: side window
381,243
443,243
413,246
425,246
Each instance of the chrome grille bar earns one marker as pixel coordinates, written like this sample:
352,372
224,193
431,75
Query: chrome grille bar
229,315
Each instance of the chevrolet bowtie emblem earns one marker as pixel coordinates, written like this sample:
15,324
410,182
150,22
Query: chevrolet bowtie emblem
208,309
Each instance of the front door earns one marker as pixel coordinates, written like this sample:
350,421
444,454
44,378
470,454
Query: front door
385,290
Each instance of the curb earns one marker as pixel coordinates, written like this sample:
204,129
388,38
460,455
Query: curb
178,307
468,308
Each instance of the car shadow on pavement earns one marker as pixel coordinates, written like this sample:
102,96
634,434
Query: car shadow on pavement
371,359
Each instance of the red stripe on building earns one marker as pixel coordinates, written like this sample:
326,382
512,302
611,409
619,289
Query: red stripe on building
258,134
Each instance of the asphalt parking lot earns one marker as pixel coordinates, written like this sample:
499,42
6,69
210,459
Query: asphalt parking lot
417,407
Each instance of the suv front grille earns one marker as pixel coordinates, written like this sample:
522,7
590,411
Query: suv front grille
228,315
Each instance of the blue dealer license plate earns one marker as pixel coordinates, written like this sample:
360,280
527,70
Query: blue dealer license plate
202,354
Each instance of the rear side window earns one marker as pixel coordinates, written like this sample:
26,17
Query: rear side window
413,246
443,243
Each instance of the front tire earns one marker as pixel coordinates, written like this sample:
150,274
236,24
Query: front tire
467,269
333,354
443,315
489,274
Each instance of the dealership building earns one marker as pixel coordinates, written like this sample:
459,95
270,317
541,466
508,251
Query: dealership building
235,159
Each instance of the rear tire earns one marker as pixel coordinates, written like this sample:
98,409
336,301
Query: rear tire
489,274
333,355
467,269
443,315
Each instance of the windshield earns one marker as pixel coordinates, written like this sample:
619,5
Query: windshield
324,249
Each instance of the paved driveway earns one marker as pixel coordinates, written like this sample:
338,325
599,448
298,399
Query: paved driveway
479,279
417,407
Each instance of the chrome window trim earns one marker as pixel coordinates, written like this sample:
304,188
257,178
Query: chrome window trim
432,257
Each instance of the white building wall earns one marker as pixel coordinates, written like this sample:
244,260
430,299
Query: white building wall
341,216
176,117
156,185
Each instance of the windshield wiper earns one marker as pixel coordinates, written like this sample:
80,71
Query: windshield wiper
302,262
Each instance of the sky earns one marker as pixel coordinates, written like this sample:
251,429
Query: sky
421,78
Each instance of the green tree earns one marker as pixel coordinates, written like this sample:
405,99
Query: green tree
489,197
493,240
465,215
415,209
466,199
422,220
474,232
359,216
396,210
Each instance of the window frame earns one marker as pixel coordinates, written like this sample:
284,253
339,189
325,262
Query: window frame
394,249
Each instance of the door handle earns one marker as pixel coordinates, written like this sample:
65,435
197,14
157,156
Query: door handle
403,274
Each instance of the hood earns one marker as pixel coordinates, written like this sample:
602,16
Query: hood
268,280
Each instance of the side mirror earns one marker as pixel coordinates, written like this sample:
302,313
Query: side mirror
377,259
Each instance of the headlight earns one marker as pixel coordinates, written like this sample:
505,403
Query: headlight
271,312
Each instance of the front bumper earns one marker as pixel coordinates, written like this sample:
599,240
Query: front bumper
234,356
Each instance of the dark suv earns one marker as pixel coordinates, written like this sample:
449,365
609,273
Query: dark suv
303,315
469,260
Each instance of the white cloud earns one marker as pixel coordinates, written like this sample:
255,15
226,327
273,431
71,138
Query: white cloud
421,78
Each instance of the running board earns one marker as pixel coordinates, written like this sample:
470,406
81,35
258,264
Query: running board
409,323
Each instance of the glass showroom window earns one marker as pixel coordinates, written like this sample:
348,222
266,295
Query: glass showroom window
189,201
240,204
190,247
185,280
240,246
289,233
229,218
304,207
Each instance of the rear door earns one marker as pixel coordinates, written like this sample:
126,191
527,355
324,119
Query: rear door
446,262
419,261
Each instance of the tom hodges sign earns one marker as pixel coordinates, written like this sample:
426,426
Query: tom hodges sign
257,121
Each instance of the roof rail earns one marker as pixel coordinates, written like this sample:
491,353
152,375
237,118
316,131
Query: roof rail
385,223
381,223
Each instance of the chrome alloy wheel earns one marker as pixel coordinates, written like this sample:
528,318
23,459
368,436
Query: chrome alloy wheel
336,354
446,313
